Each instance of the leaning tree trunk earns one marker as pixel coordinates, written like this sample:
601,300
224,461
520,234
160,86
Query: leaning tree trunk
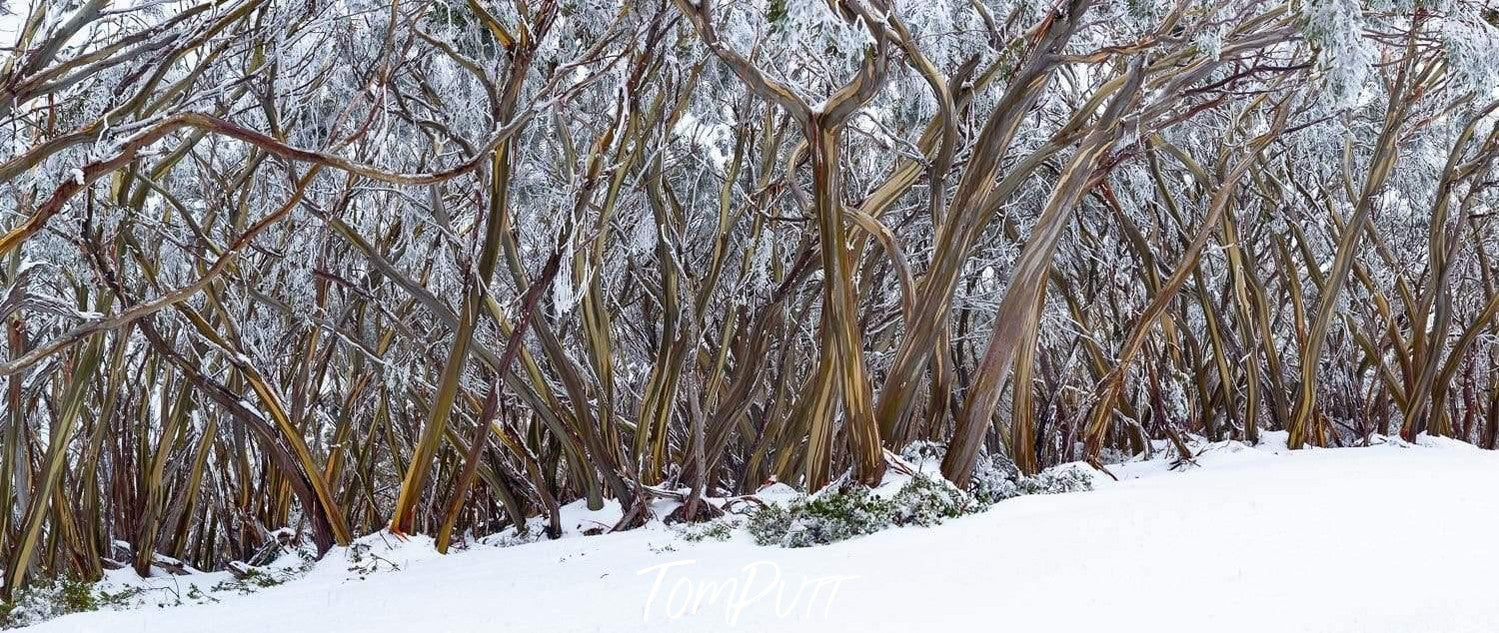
1017,314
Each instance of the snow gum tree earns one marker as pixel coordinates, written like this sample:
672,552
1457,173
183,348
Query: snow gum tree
445,267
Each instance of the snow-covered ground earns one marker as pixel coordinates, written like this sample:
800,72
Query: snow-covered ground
1392,538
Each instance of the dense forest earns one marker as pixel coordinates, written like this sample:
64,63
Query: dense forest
439,266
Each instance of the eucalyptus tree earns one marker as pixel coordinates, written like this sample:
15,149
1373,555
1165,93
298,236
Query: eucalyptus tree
448,266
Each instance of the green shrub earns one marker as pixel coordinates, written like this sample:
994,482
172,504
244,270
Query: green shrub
927,501
249,579
1057,481
826,518
994,480
119,599
46,600
767,524
719,529
838,515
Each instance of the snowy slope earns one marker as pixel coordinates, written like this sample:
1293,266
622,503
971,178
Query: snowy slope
1383,539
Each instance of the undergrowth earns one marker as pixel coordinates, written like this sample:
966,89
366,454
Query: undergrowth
43,601
838,514
47,599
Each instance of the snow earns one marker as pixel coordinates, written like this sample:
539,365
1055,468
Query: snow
1392,537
